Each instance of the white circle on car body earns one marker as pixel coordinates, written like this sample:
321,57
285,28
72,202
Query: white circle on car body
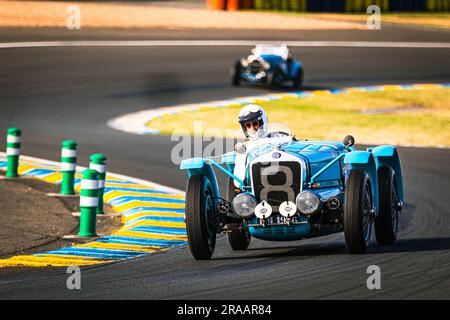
287,209
263,210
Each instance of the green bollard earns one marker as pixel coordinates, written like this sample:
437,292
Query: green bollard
13,151
98,163
68,165
88,203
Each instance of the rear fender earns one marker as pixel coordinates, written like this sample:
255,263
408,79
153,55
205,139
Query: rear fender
365,160
388,156
196,166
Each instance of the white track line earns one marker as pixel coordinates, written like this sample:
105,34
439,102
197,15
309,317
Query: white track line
156,43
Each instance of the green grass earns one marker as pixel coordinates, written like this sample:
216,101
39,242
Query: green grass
331,117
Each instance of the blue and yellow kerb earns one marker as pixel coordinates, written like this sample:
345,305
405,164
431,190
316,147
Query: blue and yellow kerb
153,221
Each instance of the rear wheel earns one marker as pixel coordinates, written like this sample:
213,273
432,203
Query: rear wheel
298,79
239,240
274,78
386,224
200,217
358,211
236,71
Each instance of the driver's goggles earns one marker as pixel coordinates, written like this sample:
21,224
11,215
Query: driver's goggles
254,124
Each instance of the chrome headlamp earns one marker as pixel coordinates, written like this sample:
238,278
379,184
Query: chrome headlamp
244,205
307,202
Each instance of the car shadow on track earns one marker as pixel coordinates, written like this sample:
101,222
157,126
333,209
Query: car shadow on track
287,251
309,250
413,245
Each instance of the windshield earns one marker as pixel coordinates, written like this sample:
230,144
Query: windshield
281,51
278,130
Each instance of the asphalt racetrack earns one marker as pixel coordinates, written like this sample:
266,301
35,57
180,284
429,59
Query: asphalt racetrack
61,93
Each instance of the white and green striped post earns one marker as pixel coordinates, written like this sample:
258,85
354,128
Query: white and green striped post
68,166
98,163
88,203
13,140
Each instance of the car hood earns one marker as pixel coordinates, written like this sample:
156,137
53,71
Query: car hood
314,152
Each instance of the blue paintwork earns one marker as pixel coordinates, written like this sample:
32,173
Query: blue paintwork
388,156
325,168
327,163
228,159
272,59
319,154
275,62
196,166
226,171
281,233
365,160
294,69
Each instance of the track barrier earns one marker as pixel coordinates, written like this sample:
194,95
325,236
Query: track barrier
98,163
88,203
13,142
68,166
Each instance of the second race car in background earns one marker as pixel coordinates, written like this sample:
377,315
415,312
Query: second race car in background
268,65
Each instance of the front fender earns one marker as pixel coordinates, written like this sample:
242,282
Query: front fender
196,166
388,156
365,160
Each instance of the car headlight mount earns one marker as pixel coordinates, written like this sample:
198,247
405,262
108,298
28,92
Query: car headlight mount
244,205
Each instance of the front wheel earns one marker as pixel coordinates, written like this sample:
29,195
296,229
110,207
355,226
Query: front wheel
200,217
358,211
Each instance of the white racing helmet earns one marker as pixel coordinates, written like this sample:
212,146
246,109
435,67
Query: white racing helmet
251,113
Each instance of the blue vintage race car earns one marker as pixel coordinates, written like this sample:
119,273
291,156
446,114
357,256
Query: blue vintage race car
283,189
269,65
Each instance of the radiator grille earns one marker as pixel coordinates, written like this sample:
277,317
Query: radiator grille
255,67
276,182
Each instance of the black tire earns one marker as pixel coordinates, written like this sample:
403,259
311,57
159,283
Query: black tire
386,224
200,217
298,80
235,72
358,203
274,79
239,240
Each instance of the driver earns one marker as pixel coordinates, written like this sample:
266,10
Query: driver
253,120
